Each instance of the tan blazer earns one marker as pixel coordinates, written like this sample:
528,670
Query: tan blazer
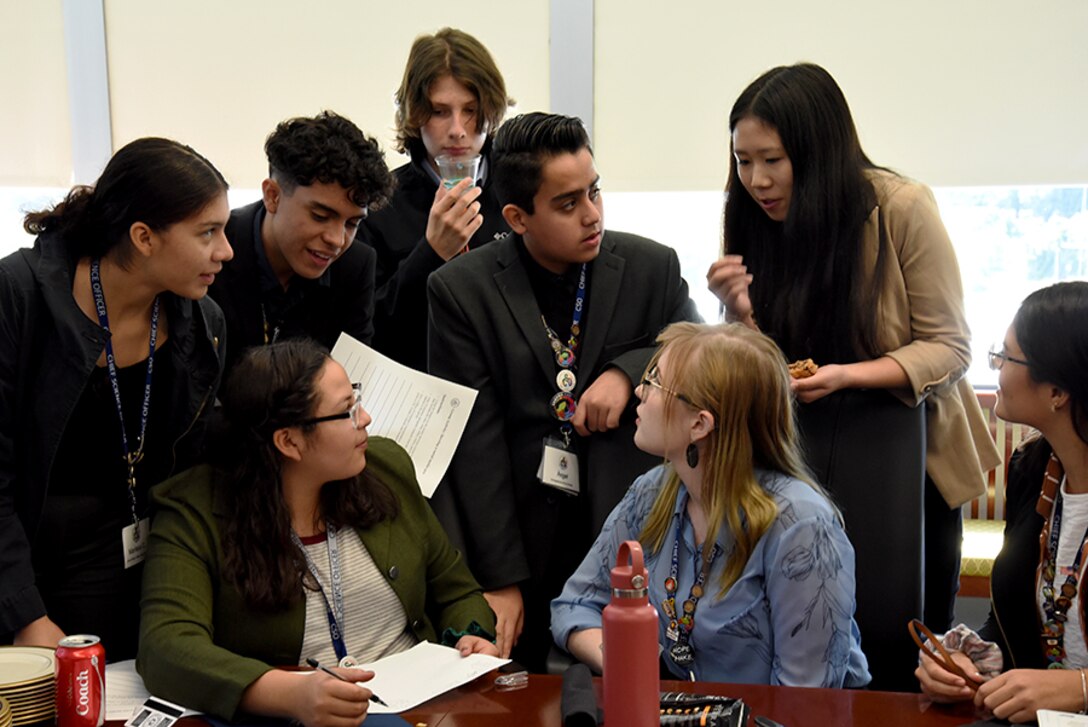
925,331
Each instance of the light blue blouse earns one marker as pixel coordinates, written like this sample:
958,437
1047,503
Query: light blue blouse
789,618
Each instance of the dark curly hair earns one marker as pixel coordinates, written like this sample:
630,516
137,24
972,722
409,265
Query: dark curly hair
155,181
449,52
330,149
270,388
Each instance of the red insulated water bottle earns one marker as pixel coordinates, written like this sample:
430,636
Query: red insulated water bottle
631,687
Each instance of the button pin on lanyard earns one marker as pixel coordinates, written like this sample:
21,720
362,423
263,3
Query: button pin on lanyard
563,404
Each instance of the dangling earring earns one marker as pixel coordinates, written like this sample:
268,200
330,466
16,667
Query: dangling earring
691,454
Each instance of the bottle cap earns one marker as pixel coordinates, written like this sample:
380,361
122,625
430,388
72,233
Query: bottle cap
629,576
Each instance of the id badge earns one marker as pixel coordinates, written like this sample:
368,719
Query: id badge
134,539
559,466
155,712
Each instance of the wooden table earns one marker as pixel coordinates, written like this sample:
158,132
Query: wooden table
480,704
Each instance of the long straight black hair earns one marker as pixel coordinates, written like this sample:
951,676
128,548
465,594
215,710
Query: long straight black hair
810,292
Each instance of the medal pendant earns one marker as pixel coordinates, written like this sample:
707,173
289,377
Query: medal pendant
682,654
348,662
563,406
566,380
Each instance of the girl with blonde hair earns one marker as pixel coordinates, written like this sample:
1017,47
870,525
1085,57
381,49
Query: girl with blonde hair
750,568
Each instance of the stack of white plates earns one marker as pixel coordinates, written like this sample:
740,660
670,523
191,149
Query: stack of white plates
5,713
27,684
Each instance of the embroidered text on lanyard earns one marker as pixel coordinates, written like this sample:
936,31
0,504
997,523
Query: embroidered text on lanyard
681,624
130,457
563,404
333,610
1057,608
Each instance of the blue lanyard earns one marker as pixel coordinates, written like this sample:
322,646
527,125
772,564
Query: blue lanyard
562,358
334,611
562,404
682,622
130,457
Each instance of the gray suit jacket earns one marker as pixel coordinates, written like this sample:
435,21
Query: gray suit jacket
485,332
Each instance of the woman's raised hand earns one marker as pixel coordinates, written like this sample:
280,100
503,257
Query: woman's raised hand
728,278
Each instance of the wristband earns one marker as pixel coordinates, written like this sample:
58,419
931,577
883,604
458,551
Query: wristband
1084,692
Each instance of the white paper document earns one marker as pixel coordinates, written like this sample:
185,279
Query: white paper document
422,413
1050,718
125,691
423,672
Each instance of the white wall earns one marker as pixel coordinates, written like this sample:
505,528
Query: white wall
951,92
220,75
35,145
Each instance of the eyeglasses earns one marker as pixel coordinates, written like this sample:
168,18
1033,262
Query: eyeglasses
355,413
653,378
997,359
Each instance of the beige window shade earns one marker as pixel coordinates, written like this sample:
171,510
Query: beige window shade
951,92
34,127
220,75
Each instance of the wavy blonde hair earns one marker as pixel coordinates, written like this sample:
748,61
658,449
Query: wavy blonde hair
739,376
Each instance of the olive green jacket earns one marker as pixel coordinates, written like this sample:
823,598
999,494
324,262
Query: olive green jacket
201,645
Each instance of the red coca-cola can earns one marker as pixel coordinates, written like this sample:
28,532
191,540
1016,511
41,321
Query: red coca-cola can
81,681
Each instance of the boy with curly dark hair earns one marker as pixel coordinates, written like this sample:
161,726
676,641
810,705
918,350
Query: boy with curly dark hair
296,271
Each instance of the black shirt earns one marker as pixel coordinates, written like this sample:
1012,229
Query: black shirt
77,553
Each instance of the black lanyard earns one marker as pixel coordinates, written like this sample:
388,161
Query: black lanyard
130,457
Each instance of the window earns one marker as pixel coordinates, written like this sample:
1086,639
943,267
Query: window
1009,241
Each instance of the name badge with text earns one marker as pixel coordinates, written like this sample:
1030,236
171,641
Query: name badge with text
559,466
134,542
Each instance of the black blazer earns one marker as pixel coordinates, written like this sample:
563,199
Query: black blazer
485,332
343,303
48,351
397,232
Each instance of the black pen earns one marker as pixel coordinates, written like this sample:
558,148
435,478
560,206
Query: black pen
316,665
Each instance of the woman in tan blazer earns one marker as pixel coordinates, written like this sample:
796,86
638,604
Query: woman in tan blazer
849,264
